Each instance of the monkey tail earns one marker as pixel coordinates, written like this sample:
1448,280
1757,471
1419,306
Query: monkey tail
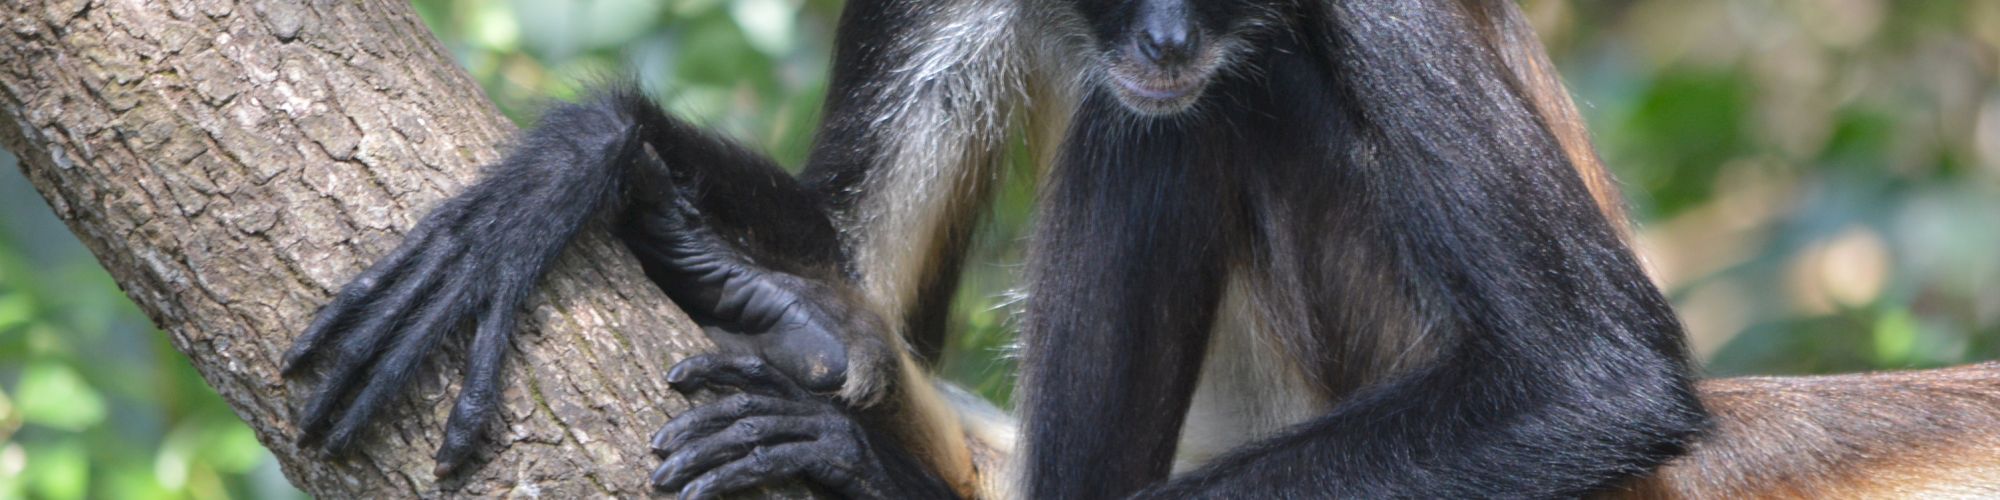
1907,434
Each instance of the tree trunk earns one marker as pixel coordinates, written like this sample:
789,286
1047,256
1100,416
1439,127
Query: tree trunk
233,164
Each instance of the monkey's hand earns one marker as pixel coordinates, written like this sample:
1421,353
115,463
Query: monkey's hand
817,331
773,430
806,362
478,257
379,328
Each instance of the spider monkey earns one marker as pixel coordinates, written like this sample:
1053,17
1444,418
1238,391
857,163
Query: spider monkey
1286,248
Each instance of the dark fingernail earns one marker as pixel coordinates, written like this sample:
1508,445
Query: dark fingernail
677,375
663,443
668,475
694,492
659,479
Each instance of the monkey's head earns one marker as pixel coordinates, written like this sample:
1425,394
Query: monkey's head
1160,55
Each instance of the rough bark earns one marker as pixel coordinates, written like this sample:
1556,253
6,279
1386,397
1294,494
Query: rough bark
233,163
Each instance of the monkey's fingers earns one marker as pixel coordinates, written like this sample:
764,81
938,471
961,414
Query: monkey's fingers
359,295
747,441
834,464
357,349
741,439
707,419
480,396
745,373
414,339
674,215
349,302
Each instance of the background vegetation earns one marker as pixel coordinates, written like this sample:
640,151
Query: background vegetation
1818,183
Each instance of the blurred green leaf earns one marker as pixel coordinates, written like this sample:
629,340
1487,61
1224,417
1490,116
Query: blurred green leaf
612,23
7,416
13,466
52,394
15,311
132,481
768,24
228,448
1687,126
718,54
1895,337
495,27
59,470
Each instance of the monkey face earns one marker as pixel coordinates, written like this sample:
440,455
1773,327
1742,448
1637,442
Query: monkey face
1159,55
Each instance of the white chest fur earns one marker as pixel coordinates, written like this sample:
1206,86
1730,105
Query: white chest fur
1249,389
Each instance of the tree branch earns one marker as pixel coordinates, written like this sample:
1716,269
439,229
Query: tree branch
232,164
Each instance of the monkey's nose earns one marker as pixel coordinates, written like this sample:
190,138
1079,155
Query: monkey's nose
1168,42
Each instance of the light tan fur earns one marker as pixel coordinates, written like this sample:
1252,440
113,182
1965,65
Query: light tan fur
1911,434
1249,387
958,92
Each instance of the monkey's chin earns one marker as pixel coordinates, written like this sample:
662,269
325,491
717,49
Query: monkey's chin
1157,98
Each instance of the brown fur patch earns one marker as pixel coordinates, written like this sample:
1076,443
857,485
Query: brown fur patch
1914,434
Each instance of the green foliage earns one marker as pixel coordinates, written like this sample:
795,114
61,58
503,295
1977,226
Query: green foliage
1817,186
54,396
1686,126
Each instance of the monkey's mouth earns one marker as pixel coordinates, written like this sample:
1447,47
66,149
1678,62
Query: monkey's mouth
1154,87
1159,90
1155,95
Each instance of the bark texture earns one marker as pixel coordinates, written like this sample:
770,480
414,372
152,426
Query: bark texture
234,163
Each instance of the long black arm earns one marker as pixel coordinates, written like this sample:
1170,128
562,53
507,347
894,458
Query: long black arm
480,254
1565,369
1127,275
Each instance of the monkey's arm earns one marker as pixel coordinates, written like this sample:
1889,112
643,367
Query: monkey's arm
480,254
1126,290
1465,429
918,104
1560,367
906,157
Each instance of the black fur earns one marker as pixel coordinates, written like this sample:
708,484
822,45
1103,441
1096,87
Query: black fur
1424,251
1373,138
